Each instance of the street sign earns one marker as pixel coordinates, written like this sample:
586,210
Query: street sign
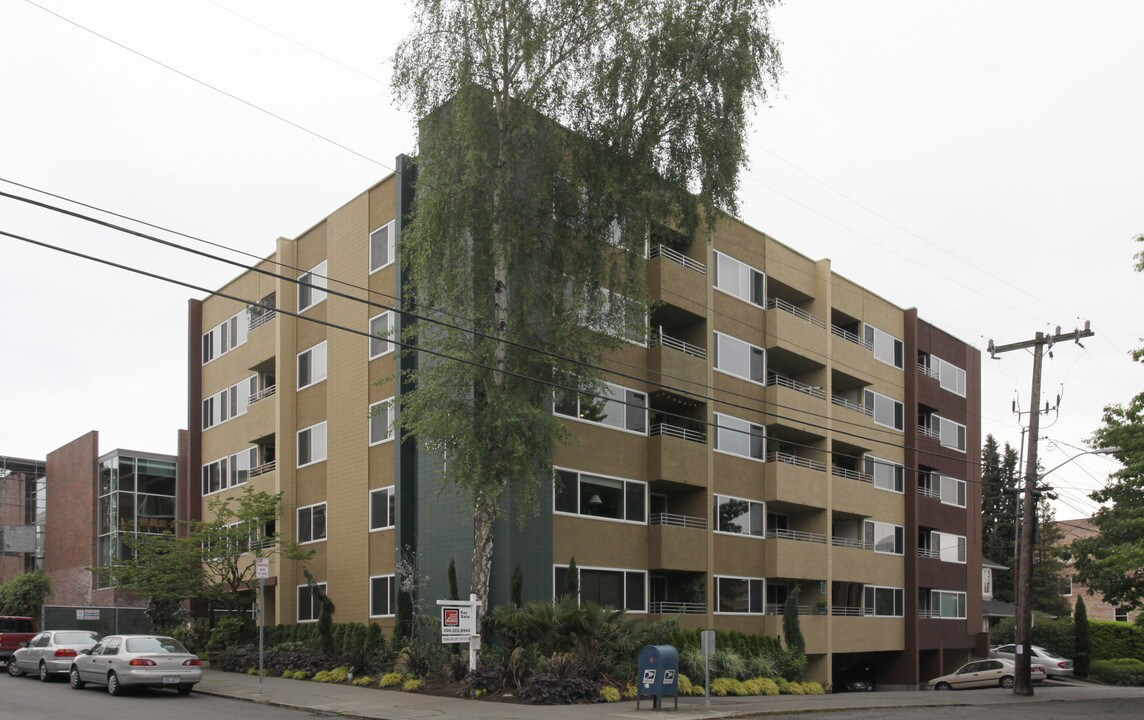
261,568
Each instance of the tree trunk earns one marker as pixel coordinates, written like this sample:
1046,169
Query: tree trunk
484,516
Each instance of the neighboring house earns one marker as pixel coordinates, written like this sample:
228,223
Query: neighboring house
842,456
992,611
1094,605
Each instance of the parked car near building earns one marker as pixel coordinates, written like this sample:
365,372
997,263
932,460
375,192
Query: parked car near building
51,653
127,661
14,631
994,672
1054,665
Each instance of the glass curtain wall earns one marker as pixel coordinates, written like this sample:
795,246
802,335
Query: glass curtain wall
136,496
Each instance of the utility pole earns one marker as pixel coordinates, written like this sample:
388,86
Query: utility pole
1024,683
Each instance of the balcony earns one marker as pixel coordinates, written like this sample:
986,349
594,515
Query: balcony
677,542
676,364
677,608
794,480
791,327
795,554
858,475
675,279
677,454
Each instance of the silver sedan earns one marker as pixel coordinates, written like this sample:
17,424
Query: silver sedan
51,653
128,661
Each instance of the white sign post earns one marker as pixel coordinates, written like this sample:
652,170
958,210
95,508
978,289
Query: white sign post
261,571
459,625
707,643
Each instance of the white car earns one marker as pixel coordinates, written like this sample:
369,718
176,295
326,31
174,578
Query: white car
127,661
993,672
51,653
1053,664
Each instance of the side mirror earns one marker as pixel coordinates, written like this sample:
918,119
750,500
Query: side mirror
85,651
24,644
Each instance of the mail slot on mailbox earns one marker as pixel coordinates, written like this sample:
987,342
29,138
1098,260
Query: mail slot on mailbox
658,675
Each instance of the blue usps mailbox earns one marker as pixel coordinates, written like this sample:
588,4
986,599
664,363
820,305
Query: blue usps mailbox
658,675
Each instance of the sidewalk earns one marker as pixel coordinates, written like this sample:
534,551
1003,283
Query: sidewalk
355,702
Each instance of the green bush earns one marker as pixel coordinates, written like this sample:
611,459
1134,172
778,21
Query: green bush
412,685
392,679
812,688
546,689
610,694
721,687
1119,671
1110,640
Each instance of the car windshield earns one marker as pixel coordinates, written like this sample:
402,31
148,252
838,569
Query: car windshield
76,638
1047,653
154,645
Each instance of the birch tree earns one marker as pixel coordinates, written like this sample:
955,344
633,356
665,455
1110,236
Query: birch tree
553,134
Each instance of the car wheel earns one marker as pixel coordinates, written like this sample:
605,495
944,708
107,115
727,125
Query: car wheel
943,686
45,676
73,679
13,670
113,686
184,689
1007,682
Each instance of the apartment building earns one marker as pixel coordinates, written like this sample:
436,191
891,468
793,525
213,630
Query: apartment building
780,426
1094,604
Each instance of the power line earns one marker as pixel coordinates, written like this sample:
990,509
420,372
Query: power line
409,346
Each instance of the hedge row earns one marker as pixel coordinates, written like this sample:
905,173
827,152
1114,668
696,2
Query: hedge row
1107,640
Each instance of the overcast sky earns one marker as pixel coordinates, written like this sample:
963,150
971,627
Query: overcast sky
980,160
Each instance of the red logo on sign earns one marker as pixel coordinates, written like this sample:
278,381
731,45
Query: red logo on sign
452,618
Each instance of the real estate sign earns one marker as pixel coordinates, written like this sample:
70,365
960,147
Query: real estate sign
458,623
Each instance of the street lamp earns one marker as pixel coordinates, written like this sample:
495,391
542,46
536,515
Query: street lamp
1024,682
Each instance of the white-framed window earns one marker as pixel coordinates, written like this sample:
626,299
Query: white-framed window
887,475
949,376
987,583
308,607
312,523
740,279
381,421
312,365
740,437
736,357
949,433
885,410
381,247
230,471
883,601
596,496
1067,586
616,406
947,604
631,315
951,490
382,508
312,444
739,595
226,336
887,348
1120,614
382,596
229,403
739,516
380,327
885,537
312,287
606,587
947,547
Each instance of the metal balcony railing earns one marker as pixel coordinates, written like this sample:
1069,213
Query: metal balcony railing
263,318
848,611
797,535
685,521
677,257
694,436
852,474
780,608
928,371
659,338
780,304
927,553
928,432
783,381
262,469
796,460
851,405
837,541
678,608
263,394
851,337
929,492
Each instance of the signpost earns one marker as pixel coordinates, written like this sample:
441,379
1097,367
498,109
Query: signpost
261,571
707,644
459,625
